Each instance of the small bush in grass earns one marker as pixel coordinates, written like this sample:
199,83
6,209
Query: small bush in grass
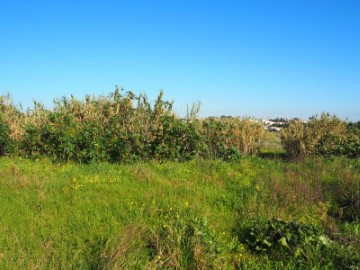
344,197
280,238
304,244
175,241
182,242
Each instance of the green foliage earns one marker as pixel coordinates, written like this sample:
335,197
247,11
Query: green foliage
124,127
229,139
176,240
182,242
127,128
6,143
282,239
9,125
344,198
325,136
197,214
304,244
351,145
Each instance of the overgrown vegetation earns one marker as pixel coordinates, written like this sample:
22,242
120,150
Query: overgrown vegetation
305,245
251,214
123,128
325,136
221,207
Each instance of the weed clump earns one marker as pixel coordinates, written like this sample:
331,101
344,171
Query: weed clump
175,241
305,245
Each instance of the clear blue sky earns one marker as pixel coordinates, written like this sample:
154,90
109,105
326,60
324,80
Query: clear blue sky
245,57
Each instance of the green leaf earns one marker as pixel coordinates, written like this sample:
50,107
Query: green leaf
325,240
283,242
266,242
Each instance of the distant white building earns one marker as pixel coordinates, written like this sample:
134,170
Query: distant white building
273,129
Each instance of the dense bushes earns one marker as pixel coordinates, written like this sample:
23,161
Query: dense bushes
124,128
327,135
6,143
229,138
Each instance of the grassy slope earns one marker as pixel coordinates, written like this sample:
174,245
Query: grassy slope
170,215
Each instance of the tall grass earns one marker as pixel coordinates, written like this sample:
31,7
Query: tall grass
251,214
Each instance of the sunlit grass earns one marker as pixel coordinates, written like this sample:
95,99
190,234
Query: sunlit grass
165,215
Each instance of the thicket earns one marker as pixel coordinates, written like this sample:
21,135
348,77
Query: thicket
324,135
122,127
5,140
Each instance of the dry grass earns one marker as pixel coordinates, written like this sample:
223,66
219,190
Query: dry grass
317,136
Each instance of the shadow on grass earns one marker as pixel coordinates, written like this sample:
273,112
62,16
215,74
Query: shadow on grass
274,155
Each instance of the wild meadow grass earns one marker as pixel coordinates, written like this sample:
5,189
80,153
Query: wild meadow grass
118,182
250,214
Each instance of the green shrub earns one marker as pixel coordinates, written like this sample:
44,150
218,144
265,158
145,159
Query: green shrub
124,127
305,245
127,128
279,238
176,240
228,139
344,198
182,242
351,145
6,143
31,145
325,136
174,139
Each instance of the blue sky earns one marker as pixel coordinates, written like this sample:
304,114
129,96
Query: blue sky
289,58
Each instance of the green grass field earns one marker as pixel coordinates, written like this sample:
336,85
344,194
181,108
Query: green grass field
251,214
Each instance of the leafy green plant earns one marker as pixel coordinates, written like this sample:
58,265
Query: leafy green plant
280,238
229,139
325,135
124,127
198,214
182,242
305,244
344,198
6,143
